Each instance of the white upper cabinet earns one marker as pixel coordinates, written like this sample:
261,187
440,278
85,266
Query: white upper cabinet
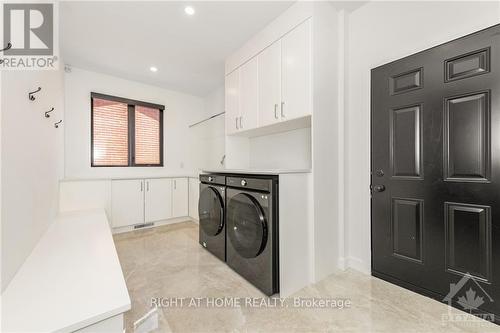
180,197
232,101
158,199
272,87
249,95
296,72
270,84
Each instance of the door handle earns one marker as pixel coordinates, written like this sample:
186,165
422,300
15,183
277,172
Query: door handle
379,188
275,111
241,125
283,109
236,122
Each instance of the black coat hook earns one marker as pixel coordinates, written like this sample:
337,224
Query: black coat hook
56,125
8,47
31,94
47,115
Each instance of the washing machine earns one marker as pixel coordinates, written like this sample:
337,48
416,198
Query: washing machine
212,230
252,230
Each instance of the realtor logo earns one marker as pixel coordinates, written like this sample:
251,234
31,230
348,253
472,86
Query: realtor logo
470,295
29,36
29,28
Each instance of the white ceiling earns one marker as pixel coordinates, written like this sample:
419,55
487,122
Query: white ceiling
126,38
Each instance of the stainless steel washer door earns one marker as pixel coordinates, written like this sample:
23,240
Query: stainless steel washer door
246,225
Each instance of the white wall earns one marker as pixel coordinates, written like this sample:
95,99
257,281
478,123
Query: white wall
210,135
286,150
380,32
30,162
181,153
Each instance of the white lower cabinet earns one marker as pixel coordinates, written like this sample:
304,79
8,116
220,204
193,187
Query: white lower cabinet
180,203
158,199
138,201
127,202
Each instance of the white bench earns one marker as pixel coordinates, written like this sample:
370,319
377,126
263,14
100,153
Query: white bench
71,281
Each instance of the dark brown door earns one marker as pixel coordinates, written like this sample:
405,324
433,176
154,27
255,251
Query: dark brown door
436,168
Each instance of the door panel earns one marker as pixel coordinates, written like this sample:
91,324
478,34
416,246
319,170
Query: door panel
296,72
467,138
158,199
407,225
249,95
270,84
127,202
468,241
436,151
405,145
180,197
232,101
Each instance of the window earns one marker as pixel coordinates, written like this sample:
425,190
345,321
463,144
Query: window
125,132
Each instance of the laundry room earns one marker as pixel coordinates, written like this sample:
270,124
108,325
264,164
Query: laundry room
250,166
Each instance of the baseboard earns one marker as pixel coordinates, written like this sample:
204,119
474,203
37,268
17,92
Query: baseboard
358,265
342,264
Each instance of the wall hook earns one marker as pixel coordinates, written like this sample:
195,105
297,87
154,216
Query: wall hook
31,94
56,125
8,47
47,115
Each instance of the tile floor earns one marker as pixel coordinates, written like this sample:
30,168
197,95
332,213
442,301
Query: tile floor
167,263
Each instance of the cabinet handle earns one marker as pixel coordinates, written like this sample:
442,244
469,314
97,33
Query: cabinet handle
236,122
283,109
275,111
241,125
147,186
175,184
141,185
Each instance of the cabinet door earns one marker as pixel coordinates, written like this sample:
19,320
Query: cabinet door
296,72
180,197
194,195
249,95
158,200
232,101
127,202
270,84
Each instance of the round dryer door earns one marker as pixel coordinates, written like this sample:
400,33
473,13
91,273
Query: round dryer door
246,225
211,211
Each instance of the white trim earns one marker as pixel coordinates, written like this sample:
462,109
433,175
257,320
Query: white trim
358,265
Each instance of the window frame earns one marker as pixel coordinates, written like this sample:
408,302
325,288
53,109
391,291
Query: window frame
131,104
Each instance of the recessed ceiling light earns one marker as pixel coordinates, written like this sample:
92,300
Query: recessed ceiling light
189,10
153,69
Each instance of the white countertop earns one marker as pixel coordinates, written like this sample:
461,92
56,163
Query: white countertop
72,278
180,175
258,171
